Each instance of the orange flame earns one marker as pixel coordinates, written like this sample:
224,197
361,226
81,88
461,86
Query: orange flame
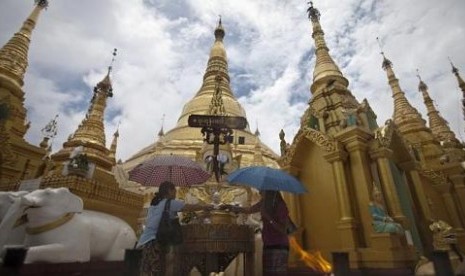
313,260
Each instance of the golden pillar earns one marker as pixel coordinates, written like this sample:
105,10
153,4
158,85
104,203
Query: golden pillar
421,195
449,203
459,188
356,145
346,225
382,156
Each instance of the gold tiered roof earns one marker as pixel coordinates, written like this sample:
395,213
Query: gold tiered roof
214,97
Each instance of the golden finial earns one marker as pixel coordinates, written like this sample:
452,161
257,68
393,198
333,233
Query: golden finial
50,129
454,69
386,62
161,132
219,31
42,3
112,60
116,134
313,13
422,86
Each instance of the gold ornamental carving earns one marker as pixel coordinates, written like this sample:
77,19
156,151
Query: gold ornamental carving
384,134
437,177
320,139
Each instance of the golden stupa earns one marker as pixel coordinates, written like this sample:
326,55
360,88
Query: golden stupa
417,168
214,97
91,177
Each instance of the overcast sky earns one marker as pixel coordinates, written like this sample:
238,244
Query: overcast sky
163,49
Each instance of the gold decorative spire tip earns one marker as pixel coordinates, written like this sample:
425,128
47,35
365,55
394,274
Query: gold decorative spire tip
110,68
422,86
313,13
219,31
42,3
386,62
50,130
454,69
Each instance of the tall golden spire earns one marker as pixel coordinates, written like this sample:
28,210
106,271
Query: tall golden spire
114,145
217,65
13,55
405,116
459,78
162,132
325,67
91,132
461,85
216,81
410,123
437,123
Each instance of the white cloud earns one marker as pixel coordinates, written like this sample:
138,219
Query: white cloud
163,49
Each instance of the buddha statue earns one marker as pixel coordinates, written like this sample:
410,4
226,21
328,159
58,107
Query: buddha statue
382,222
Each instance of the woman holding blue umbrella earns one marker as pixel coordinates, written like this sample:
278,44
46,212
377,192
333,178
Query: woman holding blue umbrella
275,218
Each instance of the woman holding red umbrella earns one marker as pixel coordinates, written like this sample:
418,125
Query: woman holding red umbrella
153,255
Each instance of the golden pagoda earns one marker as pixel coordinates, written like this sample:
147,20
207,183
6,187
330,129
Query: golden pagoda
340,137
214,97
84,164
440,128
187,141
19,160
340,153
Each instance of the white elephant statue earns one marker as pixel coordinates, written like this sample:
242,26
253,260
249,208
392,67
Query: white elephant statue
12,228
59,230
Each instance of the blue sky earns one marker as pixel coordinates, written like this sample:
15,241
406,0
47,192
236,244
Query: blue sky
163,49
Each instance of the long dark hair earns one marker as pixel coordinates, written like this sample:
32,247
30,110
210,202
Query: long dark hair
163,192
272,199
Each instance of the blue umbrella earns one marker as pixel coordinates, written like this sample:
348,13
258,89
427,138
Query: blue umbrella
265,178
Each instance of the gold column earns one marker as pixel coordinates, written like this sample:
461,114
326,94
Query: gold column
387,182
346,225
449,203
361,175
419,191
459,187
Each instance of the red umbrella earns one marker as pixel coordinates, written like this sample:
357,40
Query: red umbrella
177,169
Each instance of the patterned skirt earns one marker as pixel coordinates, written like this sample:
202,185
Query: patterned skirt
153,260
275,260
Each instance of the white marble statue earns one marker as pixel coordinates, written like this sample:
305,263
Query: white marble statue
59,230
